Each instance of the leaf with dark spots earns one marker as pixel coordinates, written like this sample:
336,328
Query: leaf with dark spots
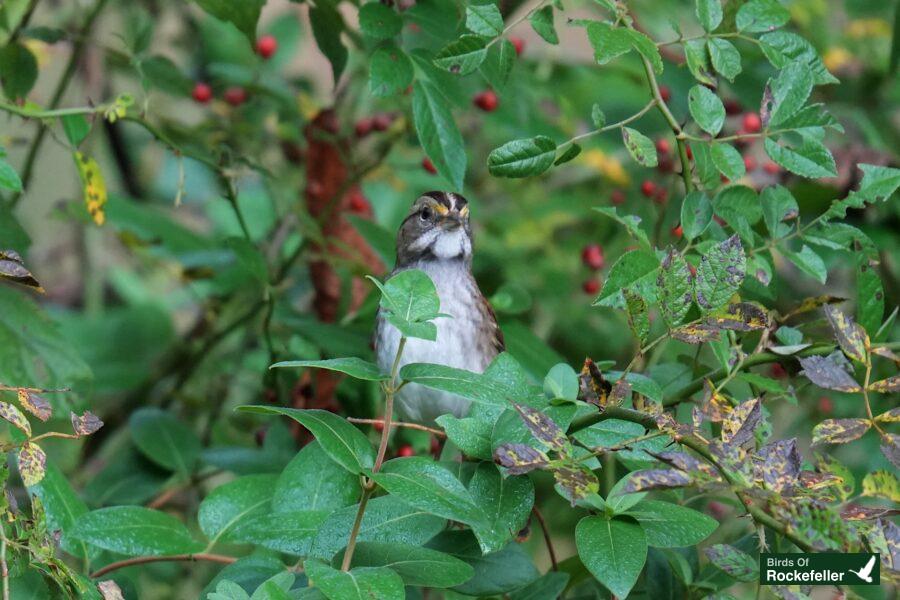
594,388
741,316
674,288
736,563
858,512
839,431
884,537
851,337
655,479
621,392
716,405
720,273
638,316
696,333
35,404
32,464
885,386
576,481
520,458
687,463
12,267
809,304
779,465
741,423
844,485
881,484
810,480
543,428
826,373
13,415
86,424
890,447
819,524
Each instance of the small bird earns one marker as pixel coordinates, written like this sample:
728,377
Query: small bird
436,238
866,572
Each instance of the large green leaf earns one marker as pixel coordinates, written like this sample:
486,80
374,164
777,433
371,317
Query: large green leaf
390,71
343,442
135,531
312,481
783,48
228,505
243,14
614,551
361,583
761,15
725,58
352,366
18,70
472,436
462,56
696,214
706,109
635,270
778,205
495,573
62,506
165,439
809,262
327,26
505,502
9,179
484,19
410,302
709,13
608,41
542,22
668,525
292,532
789,89
728,160
522,158
379,21
674,288
473,386
416,566
720,273
438,133
810,158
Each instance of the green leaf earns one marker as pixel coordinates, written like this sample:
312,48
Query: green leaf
720,273
243,15
438,133
640,147
638,315
462,56
312,481
352,366
416,566
522,158
740,207
361,583
228,505
496,573
499,64
696,214
343,442
635,270
809,262
9,179
427,485
757,16
598,118
506,503
386,519
697,58
878,184
379,21
165,439
837,431
542,23
709,13
158,72
632,224
472,436
788,91
646,48
608,41
63,508
778,205
135,531
327,25
870,292
736,563
18,70
484,19
808,159
783,48
469,385
706,109
614,551
726,59
561,382
668,525
850,337
571,152
292,532
390,71
674,288
727,160
704,167
76,128
410,302
549,587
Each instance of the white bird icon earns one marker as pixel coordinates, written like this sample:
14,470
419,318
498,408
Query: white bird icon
865,572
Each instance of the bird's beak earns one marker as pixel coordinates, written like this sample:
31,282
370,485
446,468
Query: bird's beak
452,221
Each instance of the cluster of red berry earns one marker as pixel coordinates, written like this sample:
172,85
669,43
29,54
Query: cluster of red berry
235,95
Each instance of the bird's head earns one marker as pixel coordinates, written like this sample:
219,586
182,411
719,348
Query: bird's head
436,228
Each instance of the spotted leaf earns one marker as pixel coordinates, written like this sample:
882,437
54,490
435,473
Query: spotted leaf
32,464
543,428
520,458
12,268
858,512
674,288
720,273
740,424
35,404
86,424
15,416
638,317
655,479
576,481
696,333
826,373
844,482
594,388
890,447
839,431
740,316
93,185
852,338
891,384
779,465
736,563
881,484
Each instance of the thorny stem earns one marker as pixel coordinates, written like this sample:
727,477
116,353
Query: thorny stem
547,539
368,485
140,560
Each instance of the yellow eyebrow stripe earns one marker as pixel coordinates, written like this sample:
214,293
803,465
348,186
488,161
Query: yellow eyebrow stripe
465,211
441,209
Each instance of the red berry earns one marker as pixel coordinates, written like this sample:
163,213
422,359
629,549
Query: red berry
751,122
665,93
661,196
429,166
358,202
677,231
363,127
617,197
382,121
235,96
771,168
405,450
266,46
749,163
732,107
486,100
825,405
777,371
592,256
518,43
662,146
648,188
202,93
379,426
591,287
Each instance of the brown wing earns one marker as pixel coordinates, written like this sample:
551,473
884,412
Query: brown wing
493,329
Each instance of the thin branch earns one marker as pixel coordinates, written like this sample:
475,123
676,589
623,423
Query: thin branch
610,127
4,568
430,430
140,560
547,540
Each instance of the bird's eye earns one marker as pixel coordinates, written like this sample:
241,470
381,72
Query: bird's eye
425,214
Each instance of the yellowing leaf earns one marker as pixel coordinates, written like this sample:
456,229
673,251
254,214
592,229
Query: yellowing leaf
15,416
93,185
35,404
882,484
851,337
891,384
839,431
32,464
